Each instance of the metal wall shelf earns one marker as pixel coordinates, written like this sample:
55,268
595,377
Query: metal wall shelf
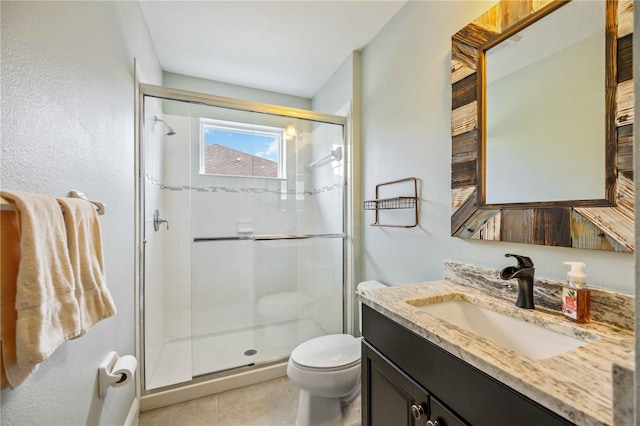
391,203
400,202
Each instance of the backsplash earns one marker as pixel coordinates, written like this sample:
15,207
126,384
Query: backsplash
606,306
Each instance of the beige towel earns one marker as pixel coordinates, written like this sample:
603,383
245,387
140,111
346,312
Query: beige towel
11,374
46,307
85,251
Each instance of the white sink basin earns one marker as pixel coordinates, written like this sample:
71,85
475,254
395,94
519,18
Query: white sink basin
522,337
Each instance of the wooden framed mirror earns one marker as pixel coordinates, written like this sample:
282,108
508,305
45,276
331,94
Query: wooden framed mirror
601,220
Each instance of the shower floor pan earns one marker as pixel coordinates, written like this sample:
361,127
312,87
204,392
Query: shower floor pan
181,360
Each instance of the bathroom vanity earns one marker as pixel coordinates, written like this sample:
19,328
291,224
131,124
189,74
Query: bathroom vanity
421,369
423,380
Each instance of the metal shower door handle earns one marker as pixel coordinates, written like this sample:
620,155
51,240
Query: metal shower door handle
157,221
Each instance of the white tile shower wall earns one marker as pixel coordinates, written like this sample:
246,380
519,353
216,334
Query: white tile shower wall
222,286
321,279
328,174
276,266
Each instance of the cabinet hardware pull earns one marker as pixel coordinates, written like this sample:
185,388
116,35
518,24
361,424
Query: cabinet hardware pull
433,423
417,411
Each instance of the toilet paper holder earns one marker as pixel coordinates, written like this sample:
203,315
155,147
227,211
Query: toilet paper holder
115,371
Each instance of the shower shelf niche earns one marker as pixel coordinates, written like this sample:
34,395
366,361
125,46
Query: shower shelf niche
399,202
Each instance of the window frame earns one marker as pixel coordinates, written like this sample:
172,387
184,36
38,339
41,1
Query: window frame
245,128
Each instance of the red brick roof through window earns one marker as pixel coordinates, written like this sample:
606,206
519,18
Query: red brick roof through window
222,160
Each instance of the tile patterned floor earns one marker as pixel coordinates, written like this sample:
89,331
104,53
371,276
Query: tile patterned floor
271,403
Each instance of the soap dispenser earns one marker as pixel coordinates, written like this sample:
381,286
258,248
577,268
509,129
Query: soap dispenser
576,298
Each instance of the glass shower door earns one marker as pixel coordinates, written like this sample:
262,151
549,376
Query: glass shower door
222,318
298,261
299,300
250,261
167,245
267,262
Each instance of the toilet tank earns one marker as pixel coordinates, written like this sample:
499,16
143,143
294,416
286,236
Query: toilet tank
363,286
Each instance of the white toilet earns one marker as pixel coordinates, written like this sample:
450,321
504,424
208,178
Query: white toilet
327,370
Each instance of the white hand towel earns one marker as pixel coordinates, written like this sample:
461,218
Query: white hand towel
84,240
46,307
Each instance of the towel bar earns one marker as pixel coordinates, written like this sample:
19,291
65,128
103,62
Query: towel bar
7,205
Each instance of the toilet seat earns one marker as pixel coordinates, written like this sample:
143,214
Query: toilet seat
331,352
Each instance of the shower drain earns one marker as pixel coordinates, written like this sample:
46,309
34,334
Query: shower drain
250,352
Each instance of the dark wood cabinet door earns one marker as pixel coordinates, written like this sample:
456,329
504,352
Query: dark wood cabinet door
391,398
388,394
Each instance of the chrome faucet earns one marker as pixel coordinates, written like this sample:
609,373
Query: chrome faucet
524,273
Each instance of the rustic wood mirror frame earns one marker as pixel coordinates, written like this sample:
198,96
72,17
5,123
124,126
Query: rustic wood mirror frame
606,224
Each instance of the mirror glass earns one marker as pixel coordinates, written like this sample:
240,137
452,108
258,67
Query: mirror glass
537,150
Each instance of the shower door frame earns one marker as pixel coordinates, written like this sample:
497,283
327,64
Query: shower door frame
160,92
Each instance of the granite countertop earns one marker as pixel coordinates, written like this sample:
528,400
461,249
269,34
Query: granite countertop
577,384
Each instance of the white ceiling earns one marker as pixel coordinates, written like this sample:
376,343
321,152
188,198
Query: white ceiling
290,47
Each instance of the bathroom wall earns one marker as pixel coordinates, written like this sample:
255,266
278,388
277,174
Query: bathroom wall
406,112
337,91
67,115
195,84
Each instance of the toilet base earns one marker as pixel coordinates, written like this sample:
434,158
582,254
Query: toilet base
318,411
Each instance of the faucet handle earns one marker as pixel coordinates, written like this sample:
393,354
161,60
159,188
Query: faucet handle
523,261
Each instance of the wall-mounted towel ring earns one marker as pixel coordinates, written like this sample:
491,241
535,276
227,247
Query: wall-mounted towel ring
157,221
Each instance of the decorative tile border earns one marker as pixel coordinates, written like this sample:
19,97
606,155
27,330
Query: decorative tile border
315,191
606,306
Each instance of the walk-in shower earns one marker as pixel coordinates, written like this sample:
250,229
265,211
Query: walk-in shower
246,258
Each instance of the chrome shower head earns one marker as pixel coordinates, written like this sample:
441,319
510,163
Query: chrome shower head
170,130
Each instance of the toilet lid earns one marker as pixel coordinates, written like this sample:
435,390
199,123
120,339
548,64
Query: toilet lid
333,350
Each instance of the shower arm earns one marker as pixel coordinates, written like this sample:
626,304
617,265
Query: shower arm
170,130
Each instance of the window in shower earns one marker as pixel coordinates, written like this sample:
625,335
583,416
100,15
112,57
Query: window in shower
241,149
